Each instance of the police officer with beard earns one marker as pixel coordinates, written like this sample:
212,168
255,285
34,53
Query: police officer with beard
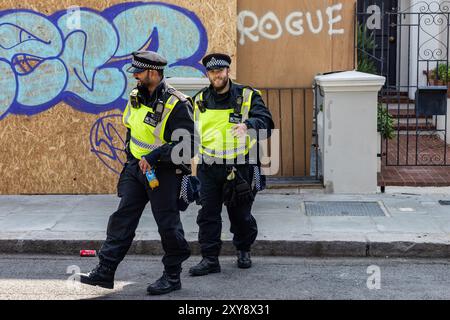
223,114
154,111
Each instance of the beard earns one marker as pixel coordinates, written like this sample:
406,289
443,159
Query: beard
220,83
144,83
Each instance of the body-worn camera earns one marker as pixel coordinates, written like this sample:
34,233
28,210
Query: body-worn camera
134,98
202,105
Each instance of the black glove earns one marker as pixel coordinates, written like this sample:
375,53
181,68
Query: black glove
194,189
237,191
244,193
228,193
153,157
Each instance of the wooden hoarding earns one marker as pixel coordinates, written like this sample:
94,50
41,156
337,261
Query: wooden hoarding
64,85
283,45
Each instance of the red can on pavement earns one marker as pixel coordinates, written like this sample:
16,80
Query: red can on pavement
88,253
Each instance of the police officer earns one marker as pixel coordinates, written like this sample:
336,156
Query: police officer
223,113
153,112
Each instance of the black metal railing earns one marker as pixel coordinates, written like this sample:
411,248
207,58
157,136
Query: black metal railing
410,47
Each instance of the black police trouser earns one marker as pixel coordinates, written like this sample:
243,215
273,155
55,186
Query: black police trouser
135,193
243,224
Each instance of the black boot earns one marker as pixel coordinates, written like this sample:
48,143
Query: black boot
101,276
207,265
244,261
165,284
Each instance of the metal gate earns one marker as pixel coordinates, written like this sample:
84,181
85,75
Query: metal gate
408,43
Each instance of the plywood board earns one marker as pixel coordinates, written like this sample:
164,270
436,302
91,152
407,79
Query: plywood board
58,152
71,142
284,44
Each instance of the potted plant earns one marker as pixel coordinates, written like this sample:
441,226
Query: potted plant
440,76
385,123
433,78
385,129
365,44
442,71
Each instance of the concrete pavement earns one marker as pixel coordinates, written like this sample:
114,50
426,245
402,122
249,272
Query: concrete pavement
415,225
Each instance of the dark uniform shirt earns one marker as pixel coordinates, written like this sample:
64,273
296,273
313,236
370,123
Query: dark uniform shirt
180,118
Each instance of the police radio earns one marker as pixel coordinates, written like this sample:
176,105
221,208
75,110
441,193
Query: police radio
236,116
154,118
159,110
238,106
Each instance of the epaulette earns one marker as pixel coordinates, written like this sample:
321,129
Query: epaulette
178,94
241,87
250,88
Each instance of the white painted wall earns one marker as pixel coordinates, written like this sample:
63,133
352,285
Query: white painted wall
349,131
404,40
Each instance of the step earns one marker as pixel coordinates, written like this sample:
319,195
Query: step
401,106
412,133
275,182
420,121
396,100
406,113
414,127
394,92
